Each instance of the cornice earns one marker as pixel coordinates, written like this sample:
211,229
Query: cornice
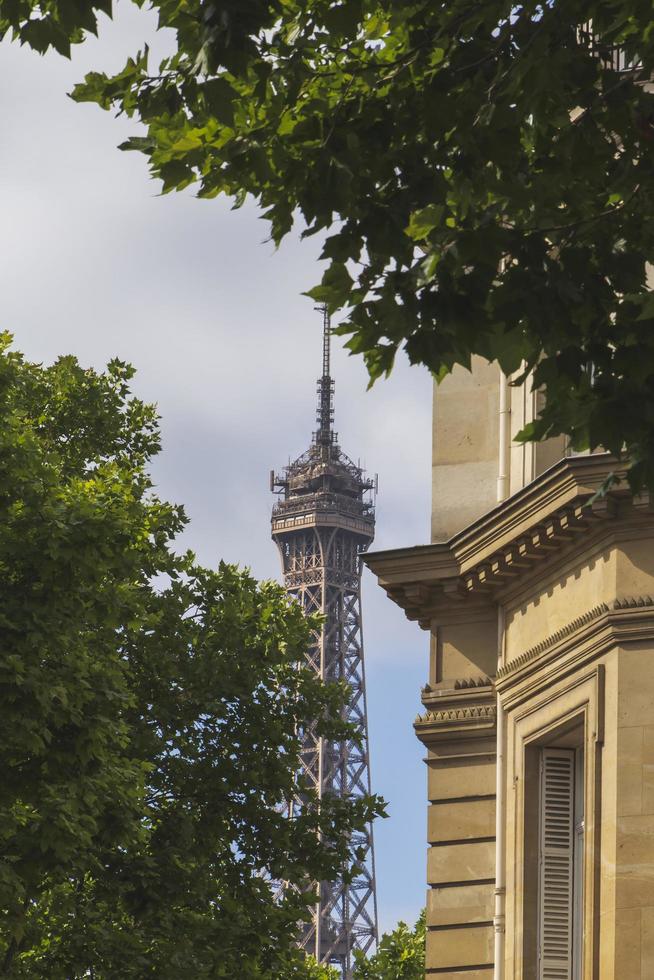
556,491
509,541
472,713
453,724
466,710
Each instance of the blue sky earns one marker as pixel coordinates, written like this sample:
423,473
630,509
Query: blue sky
95,263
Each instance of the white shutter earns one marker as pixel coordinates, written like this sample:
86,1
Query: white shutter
555,914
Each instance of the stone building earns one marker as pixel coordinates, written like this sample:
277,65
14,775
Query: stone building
538,713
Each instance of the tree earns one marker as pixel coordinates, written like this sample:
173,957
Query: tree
399,956
319,971
150,709
485,170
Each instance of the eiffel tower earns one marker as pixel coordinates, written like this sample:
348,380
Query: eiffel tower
322,523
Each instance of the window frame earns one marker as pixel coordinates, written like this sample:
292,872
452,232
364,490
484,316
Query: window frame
550,716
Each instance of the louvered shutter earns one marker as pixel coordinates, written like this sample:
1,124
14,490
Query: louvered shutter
557,792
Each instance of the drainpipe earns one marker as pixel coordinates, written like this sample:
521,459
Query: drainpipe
500,877
504,438
503,486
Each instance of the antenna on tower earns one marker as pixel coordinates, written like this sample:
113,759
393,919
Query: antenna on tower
326,341
325,414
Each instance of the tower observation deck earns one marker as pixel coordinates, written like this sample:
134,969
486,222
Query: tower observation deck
322,523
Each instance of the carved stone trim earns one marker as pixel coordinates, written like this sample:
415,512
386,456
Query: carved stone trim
473,713
626,620
550,641
462,684
472,682
455,723
633,602
558,530
628,602
425,600
507,543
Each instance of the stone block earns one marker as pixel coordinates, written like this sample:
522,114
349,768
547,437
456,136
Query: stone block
466,649
471,861
648,745
461,821
635,570
630,744
636,687
466,421
467,777
648,769
630,790
459,904
647,804
635,862
628,947
647,942
481,748
464,492
471,946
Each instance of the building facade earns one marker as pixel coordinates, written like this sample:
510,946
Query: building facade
538,713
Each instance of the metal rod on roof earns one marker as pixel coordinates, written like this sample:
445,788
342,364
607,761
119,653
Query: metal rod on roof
325,416
326,341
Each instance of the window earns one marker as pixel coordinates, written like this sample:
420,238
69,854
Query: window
561,860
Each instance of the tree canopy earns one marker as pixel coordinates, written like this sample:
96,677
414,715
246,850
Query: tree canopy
399,956
483,172
150,709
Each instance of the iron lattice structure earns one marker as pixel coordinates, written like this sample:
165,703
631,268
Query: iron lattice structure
322,523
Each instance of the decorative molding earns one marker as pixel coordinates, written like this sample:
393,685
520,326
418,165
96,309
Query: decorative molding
633,602
472,682
474,713
559,529
552,640
625,603
456,715
426,600
551,514
626,620
571,481
462,684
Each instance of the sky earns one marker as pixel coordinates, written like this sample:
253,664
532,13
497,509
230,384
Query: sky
98,264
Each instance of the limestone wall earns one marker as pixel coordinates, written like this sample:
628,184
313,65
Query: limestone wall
465,440
466,445
461,858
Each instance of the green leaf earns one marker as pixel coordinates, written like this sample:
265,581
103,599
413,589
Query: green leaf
335,288
220,96
424,221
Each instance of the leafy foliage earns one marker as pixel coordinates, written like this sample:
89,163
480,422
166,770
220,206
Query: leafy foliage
485,170
147,734
45,24
399,956
318,971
